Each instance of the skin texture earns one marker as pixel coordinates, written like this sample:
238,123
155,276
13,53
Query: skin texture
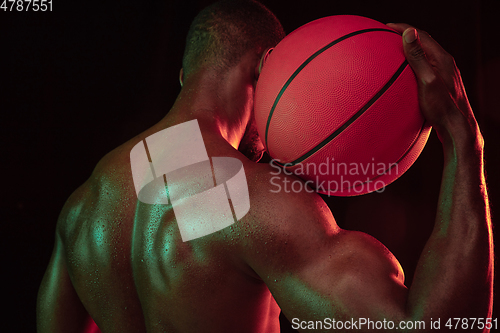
123,264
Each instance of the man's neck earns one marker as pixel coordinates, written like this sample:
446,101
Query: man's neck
202,98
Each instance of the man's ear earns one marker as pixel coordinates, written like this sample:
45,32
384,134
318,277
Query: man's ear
181,77
263,59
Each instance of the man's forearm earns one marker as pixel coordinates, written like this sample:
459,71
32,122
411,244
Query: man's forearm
455,272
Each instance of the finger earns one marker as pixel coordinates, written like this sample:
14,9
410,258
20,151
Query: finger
425,38
436,57
416,57
433,50
399,27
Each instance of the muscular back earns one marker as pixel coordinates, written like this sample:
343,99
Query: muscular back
133,273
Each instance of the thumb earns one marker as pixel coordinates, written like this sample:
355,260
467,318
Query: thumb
415,55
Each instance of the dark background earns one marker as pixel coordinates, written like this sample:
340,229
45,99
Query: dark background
80,80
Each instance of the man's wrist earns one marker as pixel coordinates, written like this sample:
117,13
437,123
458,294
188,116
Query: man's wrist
459,132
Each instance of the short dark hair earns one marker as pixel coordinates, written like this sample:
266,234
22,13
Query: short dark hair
224,31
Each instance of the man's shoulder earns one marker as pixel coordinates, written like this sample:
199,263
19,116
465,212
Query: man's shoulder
284,226
109,182
282,210
269,182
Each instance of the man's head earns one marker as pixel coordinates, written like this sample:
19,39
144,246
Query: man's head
225,31
227,40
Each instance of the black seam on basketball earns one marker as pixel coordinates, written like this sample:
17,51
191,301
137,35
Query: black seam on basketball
399,160
354,117
387,170
307,61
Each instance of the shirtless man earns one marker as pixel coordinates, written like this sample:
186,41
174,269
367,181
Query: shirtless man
122,264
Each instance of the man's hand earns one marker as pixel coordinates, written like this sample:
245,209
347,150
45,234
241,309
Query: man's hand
443,100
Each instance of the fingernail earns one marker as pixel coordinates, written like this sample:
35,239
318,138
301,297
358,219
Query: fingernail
410,35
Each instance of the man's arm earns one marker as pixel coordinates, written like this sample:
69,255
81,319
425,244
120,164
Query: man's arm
455,271
58,307
317,271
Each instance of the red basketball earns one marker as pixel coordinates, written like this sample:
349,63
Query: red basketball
336,103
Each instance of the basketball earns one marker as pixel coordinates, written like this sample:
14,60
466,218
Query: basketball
336,104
